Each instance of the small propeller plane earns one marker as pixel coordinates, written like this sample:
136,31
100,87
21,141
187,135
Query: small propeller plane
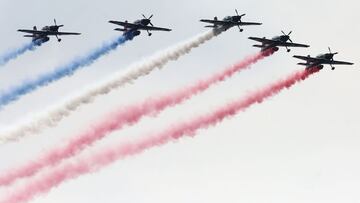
321,60
133,29
229,22
279,41
41,36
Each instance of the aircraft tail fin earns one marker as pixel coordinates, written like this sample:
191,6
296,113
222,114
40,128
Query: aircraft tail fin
35,28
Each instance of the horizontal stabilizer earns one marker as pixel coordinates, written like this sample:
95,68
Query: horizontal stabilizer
258,46
29,36
303,64
120,29
211,26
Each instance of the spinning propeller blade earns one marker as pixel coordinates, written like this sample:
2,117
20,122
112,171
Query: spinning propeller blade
288,35
57,25
237,13
333,53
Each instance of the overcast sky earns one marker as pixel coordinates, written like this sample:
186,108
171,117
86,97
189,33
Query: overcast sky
299,146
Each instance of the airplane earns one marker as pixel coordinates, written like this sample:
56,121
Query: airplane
279,41
41,36
228,22
133,29
321,60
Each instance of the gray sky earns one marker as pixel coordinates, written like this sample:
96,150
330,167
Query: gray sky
300,146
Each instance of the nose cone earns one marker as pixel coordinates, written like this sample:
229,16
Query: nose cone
146,21
236,18
284,38
329,56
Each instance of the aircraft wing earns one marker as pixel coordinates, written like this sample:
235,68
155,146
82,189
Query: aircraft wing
288,44
339,63
215,22
322,61
308,58
124,24
142,27
263,40
64,33
33,31
249,23
138,26
40,32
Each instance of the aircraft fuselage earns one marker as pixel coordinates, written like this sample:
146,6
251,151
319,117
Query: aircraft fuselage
326,56
144,22
131,33
50,28
234,19
282,38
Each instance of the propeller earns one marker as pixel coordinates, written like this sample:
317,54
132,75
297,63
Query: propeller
332,58
331,52
57,25
287,35
237,13
149,21
57,28
148,18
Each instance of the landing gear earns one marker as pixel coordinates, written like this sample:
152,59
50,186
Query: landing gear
288,50
149,33
58,39
241,30
332,67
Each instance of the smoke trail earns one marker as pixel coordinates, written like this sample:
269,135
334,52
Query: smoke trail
13,54
126,115
26,87
52,117
88,164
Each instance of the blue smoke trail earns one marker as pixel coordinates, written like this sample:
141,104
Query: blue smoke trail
14,93
13,54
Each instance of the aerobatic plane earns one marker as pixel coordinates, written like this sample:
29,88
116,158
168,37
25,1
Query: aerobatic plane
228,22
276,42
321,60
41,36
133,29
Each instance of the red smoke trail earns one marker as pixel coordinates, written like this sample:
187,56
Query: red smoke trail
128,115
82,165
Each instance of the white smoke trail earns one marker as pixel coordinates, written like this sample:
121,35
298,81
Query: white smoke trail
53,116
